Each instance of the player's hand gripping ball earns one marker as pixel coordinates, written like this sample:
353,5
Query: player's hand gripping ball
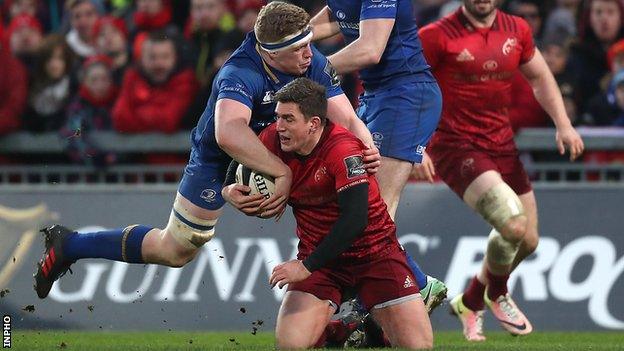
258,182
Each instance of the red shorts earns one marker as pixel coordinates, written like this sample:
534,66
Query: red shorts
459,166
384,280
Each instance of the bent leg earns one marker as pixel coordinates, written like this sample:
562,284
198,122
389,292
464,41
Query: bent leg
406,324
301,320
188,229
531,238
392,177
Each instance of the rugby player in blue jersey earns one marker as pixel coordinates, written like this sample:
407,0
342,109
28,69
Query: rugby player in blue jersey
241,105
401,103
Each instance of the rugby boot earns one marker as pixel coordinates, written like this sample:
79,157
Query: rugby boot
472,321
509,315
433,294
341,329
53,264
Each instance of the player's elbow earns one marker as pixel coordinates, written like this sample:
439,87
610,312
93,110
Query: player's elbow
225,139
373,56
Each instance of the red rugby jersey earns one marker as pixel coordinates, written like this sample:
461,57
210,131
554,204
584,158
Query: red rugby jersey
474,68
335,164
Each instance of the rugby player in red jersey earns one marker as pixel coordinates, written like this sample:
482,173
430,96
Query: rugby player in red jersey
474,53
346,236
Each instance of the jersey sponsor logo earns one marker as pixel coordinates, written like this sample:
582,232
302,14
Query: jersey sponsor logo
269,97
209,195
465,56
509,45
349,25
238,89
490,65
331,72
340,15
355,166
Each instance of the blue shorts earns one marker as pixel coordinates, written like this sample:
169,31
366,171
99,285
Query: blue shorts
402,118
203,180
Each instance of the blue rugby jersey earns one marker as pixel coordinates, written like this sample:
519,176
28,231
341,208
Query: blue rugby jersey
402,60
246,78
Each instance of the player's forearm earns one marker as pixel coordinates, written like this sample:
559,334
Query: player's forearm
340,111
323,26
351,223
548,95
353,57
242,144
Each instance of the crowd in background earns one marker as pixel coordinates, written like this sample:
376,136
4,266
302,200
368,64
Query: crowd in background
78,66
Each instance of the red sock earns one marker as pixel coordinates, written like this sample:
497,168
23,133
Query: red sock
473,296
497,285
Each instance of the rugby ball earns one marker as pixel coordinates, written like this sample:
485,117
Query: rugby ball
258,182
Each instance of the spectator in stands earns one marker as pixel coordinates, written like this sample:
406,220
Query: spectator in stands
155,95
50,87
24,36
532,12
89,111
151,15
607,109
561,22
247,12
111,39
13,91
209,27
601,26
83,15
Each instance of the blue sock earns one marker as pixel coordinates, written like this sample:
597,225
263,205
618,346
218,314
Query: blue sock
421,278
117,244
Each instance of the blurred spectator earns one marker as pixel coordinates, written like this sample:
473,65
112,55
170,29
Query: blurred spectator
154,96
607,109
601,26
247,12
13,91
615,56
530,11
50,87
111,39
151,15
561,22
210,26
83,15
25,35
90,111
198,105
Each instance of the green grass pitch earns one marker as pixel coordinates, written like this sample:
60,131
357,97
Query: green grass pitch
92,341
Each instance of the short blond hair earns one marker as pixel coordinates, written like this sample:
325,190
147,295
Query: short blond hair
279,19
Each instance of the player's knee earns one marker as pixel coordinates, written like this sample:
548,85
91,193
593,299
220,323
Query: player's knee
180,259
502,208
514,229
189,231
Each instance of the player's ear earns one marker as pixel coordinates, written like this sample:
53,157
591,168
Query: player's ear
315,124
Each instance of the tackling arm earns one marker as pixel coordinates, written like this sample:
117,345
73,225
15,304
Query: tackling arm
240,142
340,111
